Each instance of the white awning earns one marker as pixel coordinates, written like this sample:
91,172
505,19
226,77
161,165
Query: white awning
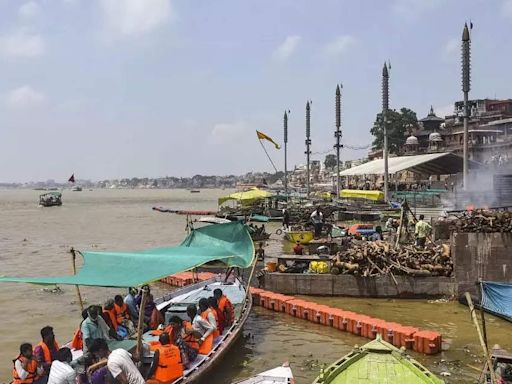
445,163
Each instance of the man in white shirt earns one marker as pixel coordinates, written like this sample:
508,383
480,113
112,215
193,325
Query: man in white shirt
61,372
119,363
201,327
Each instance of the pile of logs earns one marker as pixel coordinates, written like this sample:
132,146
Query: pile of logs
482,220
376,258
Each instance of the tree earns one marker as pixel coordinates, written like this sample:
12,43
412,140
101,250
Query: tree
330,161
398,123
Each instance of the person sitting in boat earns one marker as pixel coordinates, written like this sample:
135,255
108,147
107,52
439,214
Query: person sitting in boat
132,305
27,370
109,315
186,343
298,249
78,341
219,316
152,317
209,315
226,307
61,371
123,314
94,327
201,329
166,365
45,352
119,363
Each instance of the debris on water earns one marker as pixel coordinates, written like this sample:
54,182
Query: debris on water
446,374
438,301
55,290
310,364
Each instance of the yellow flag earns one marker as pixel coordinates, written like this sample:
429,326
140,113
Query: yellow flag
262,136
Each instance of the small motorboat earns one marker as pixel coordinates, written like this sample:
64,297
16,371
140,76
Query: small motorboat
50,199
195,191
303,236
77,188
282,374
377,362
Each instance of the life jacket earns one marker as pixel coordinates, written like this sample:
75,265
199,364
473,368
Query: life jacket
156,319
78,341
205,314
190,339
121,313
31,369
47,355
111,315
227,308
221,320
169,364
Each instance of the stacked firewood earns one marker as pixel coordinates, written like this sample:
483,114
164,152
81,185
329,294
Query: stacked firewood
376,258
481,220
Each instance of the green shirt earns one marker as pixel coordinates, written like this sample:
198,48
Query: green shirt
92,330
422,229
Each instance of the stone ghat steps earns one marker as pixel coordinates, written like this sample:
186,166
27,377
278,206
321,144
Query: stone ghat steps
423,341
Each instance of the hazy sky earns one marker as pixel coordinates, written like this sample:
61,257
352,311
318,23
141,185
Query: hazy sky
117,88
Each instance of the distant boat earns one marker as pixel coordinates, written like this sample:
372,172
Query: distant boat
50,199
77,188
195,191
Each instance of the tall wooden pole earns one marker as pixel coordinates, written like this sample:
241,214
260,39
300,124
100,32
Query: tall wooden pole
140,324
466,86
80,301
481,338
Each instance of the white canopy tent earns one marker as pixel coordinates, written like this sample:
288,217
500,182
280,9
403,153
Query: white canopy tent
445,163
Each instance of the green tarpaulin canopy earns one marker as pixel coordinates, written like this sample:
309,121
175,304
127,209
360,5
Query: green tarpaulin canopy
230,243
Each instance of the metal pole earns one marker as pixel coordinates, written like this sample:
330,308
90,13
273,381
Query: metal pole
285,127
466,86
385,107
337,135
308,143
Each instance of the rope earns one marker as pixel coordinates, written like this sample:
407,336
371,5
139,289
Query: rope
271,162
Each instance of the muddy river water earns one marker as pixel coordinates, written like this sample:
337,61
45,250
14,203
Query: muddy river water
35,241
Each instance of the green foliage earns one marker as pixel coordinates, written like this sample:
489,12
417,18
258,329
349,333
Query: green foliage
330,161
398,124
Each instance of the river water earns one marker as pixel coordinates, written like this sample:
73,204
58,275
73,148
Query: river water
35,241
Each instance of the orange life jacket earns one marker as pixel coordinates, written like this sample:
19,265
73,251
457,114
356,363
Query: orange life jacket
31,369
190,339
121,313
156,319
169,364
227,308
205,314
207,345
46,351
78,341
112,316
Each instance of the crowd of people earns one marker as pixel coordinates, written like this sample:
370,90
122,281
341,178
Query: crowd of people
178,345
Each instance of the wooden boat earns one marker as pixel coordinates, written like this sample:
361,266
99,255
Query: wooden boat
195,191
303,236
175,304
282,374
50,199
77,188
261,236
377,362
502,364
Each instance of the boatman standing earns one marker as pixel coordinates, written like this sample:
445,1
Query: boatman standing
317,218
94,327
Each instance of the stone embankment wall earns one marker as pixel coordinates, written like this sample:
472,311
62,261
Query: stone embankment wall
481,255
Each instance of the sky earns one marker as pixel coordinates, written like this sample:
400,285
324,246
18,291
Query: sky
153,88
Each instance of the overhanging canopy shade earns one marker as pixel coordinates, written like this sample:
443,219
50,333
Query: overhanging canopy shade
246,197
362,194
229,243
445,163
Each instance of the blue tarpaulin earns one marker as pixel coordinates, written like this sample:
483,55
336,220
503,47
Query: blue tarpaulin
497,298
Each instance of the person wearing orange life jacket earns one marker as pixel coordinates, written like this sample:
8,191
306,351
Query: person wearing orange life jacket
201,329
186,343
225,306
109,314
46,351
166,365
26,370
122,313
219,316
209,315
